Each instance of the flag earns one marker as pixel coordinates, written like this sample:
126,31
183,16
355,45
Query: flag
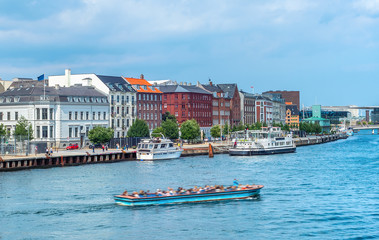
42,77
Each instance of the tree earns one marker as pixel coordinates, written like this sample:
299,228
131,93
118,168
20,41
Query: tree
139,129
168,116
3,130
258,126
190,130
100,135
157,132
23,128
286,127
317,128
170,129
264,124
226,129
215,131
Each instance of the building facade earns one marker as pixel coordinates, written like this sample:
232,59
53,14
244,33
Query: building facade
220,104
188,102
58,115
289,96
263,109
292,115
149,101
121,96
231,92
247,108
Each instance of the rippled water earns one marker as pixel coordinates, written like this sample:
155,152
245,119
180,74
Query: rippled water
327,191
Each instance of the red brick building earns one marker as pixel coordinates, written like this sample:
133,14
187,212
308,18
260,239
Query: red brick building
263,109
220,104
188,102
149,101
231,92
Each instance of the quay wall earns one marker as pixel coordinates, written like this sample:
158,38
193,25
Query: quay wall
109,157
61,161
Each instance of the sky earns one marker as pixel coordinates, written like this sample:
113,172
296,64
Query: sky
327,49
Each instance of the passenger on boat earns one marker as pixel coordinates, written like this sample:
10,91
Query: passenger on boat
125,193
235,182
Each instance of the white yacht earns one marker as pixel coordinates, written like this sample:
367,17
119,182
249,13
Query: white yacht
157,149
260,142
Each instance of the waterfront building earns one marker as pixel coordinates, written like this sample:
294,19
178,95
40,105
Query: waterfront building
121,96
5,84
220,104
263,109
375,116
292,115
188,102
231,92
247,108
58,115
289,96
336,114
149,101
278,107
316,118
163,82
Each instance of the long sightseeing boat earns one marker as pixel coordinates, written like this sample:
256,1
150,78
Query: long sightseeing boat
157,149
261,142
188,196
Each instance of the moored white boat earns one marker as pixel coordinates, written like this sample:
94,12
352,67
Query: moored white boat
157,149
261,142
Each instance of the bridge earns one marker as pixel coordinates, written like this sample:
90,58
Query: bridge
366,127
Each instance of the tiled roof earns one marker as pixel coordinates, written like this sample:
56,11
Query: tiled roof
137,81
149,90
212,88
228,88
181,88
116,83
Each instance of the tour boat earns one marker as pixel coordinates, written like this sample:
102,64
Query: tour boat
261,142
212,195
157,149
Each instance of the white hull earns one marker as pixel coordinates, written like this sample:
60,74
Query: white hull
148,156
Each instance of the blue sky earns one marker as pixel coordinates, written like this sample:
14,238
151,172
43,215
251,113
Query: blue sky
328,50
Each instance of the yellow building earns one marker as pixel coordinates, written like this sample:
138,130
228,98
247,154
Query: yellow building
292,115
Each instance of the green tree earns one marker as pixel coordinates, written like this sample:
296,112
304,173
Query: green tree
170,129
258,126
23,128
100,135
3,130
138,129
215,131
317,128
264,124
157,132
226,129
168,116
190,130
286,127
234,128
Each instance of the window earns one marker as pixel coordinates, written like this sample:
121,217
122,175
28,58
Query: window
99,115
127,99
38,114
118,122
122,110
76,132
118,98
44,131
104,115
87,130
127,110
1,115
69,116
51,131
81,115
38,131
8,115
16,116
165,105
93,116
118,110
76,115
147,107
139,96
87,115
127,122
51,113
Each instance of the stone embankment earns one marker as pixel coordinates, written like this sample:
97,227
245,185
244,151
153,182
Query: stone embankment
66,158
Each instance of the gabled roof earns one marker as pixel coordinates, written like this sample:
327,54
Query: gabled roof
228,88
181,89
293,109
137,81
116,83
247,95
212,88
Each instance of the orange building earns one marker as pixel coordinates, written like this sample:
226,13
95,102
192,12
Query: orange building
149,101
292,114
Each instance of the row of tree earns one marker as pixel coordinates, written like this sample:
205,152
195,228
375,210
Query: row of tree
22,129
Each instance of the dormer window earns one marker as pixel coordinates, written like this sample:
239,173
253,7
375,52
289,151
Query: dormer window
69,99
92,99
8,99
17,99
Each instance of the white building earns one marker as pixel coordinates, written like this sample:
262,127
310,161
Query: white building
121,96
59,115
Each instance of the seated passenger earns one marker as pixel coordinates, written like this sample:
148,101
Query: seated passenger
125,193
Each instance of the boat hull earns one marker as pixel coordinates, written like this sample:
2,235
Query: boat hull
186,198
148,156
251,152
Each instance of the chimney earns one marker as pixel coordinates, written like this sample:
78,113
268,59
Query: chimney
189,84
181,83
57,86
142,76
67,74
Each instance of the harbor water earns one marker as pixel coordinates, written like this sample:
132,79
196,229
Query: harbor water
326,191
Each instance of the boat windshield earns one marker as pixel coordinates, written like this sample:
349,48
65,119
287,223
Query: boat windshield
150,146
163,145
170,145
156,146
